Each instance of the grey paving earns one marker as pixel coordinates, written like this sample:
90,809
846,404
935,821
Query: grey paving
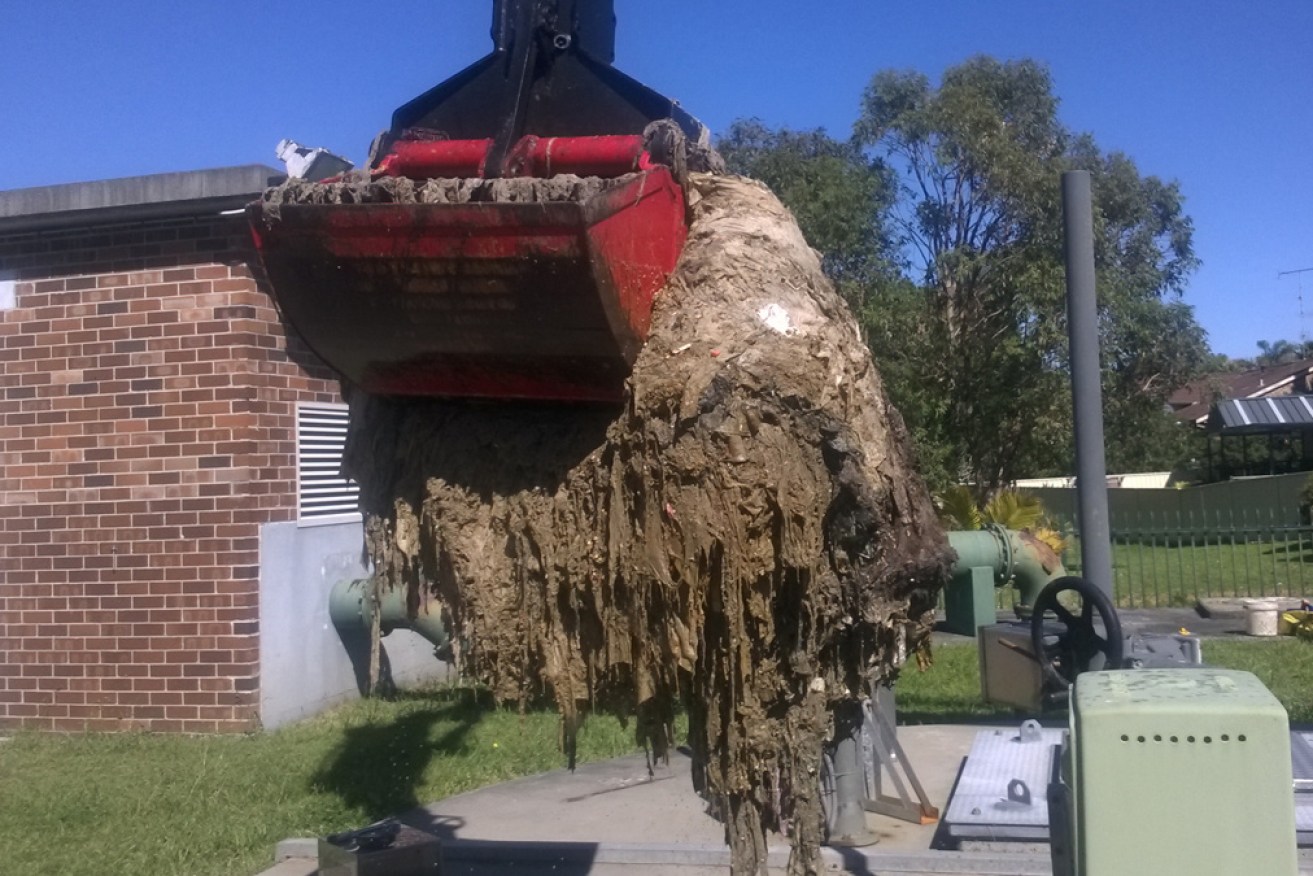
1222,623
619,803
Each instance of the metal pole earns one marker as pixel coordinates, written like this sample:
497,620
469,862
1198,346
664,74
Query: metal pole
849,822
1086,391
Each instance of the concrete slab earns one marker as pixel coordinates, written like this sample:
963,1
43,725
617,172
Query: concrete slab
1144,621
1233,607
194,185
1168,621
1220,607
129,199
619,802
613,802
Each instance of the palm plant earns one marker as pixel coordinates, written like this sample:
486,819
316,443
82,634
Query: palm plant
1010,509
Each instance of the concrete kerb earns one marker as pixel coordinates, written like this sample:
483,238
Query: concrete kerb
1233,607
871,859
296,847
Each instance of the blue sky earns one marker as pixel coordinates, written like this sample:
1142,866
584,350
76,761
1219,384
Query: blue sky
1217,95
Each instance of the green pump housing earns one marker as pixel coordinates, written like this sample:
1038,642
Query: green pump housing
1174,771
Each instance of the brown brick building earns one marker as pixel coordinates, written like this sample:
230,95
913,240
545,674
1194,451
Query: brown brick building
149,399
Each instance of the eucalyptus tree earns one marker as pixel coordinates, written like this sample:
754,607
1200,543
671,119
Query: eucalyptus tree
979,160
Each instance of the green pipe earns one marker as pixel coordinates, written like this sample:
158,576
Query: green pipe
351,607
1016,557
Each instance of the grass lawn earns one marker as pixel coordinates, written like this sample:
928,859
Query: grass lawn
137,805
1284,665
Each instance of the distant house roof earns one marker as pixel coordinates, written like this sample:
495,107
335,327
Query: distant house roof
1260,415
1193,401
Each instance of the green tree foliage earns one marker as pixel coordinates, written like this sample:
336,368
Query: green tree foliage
972,339
959,509
1220,363
1279,352
982,157
1008,508
1150,342
1282,352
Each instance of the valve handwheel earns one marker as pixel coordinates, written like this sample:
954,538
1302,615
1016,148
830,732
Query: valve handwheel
1079,647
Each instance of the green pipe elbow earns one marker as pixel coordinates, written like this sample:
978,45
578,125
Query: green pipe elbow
1016,557
351,608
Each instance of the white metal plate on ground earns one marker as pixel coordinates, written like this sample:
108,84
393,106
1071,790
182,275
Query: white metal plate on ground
1301,754
980,808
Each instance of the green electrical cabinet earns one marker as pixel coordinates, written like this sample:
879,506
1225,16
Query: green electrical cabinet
1178,771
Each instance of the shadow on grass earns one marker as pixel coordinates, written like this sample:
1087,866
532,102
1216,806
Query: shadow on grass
378,766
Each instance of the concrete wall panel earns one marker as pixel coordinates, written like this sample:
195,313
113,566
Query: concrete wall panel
306,666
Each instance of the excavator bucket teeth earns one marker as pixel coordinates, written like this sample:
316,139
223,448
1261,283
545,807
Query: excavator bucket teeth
543,300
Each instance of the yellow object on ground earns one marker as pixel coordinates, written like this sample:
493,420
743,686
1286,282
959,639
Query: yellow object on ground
1296,623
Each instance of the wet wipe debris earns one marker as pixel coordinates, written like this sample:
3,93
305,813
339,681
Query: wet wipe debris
746,536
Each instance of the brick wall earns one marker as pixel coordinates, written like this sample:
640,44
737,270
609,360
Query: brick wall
147,410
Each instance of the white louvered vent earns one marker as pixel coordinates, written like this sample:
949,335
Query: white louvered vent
323,495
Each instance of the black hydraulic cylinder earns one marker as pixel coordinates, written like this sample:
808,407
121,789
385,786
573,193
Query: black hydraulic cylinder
1086,388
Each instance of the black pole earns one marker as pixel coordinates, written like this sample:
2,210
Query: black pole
1086,390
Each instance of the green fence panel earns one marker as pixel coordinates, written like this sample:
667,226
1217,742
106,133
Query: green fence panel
1240,538
1172,556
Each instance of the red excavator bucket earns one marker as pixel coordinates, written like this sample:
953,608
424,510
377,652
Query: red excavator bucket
507,300
502,290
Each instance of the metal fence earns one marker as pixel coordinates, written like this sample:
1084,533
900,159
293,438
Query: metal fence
1173,558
